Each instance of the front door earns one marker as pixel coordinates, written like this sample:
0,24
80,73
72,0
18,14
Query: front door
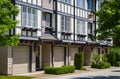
37,59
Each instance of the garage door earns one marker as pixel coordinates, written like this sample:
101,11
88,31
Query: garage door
73,51
20,59
58,56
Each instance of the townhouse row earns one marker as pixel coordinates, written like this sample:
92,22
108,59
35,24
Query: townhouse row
52,31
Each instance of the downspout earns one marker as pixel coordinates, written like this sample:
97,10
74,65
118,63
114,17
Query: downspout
55,5
74,22
95,19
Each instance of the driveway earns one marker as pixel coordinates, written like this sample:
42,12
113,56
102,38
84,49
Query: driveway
100,74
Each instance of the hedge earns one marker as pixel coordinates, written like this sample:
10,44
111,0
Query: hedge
79,61
59,70
111,58
101,65
117,63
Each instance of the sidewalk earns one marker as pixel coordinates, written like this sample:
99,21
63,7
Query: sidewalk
82,73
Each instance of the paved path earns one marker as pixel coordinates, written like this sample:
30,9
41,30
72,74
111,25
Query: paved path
102,74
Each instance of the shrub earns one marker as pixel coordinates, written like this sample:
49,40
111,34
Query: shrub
59,70
116,51
117,63
95,58
99,61
79,60
111,58
101,65
117,56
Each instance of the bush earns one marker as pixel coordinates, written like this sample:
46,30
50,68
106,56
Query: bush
79,60
101,65
95,58
111,58
59,70
117,63
116,51
117,56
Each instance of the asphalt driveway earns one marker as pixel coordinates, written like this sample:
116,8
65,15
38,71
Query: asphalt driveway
102,74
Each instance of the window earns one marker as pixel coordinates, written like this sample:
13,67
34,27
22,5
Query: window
48,19
90,4
67,1
66,36
81,3
99,4
65,24
80,27
90,29
29,17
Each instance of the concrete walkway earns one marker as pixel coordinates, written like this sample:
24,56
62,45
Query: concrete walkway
91,73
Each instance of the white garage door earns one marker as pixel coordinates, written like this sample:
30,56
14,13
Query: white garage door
73,51
58,56
20,59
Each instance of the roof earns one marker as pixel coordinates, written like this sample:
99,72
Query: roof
46,36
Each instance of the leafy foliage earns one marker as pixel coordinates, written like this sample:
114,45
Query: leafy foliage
79,61
59,70
111,58
99,61
109,21
117,63
7,13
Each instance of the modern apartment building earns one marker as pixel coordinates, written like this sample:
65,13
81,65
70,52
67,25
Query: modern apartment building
52,31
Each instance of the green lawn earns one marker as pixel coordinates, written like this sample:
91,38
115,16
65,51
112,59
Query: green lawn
14,77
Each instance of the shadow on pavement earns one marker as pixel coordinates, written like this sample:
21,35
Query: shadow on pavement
115,70
98,77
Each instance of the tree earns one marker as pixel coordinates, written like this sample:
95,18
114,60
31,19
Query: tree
109,21
7,22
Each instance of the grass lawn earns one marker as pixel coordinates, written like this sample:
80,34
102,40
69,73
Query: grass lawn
14,77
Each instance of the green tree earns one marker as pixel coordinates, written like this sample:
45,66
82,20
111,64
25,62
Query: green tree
109,21
7,13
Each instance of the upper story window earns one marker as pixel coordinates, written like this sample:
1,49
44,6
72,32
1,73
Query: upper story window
65,23
90,4
29,17
90,28
80,27
67,1
47,19
81,3
99,4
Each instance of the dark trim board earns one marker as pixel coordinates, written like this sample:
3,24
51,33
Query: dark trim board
30,59
65,53
52,53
